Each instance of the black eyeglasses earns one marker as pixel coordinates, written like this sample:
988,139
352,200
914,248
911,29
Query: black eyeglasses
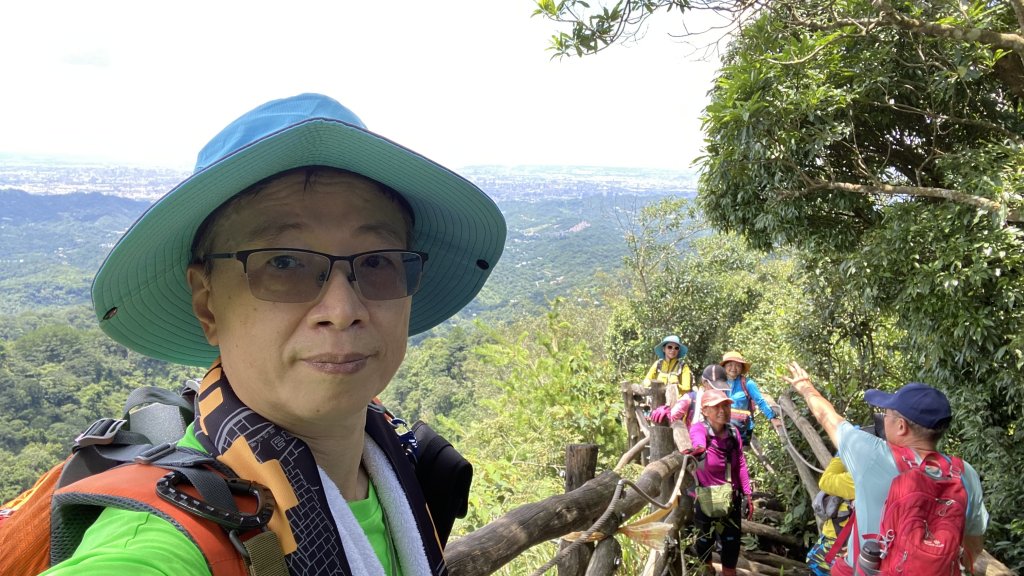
294,275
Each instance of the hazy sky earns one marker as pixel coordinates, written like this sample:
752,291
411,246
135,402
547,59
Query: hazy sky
463,83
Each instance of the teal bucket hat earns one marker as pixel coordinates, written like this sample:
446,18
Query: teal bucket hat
140,294
659,350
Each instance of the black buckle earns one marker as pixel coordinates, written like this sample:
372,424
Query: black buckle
166,488
101,431
156,452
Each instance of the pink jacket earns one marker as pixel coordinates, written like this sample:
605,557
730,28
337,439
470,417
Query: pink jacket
712,471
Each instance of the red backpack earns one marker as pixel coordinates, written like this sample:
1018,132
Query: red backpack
923,519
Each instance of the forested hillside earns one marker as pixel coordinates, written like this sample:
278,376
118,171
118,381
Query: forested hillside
58,372
571,311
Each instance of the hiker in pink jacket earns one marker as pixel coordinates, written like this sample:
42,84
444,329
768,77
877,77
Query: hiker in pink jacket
716,443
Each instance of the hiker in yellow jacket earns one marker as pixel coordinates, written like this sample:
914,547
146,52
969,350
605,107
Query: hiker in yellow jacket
837,482
670,369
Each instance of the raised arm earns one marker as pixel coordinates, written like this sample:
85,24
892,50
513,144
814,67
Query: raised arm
822,410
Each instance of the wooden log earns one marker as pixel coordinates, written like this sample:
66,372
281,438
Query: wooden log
657,394
770,533
809,432
758,562
629,415
986,565
486,550
808,478
681,435
580,467
671,561
607,558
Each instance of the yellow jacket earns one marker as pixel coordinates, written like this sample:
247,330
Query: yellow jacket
837,482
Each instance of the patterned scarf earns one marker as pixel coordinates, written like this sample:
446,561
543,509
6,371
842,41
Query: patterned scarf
259,450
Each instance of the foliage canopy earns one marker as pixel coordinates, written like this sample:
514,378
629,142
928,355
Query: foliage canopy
883,141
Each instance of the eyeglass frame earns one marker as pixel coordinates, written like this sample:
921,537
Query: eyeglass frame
243,257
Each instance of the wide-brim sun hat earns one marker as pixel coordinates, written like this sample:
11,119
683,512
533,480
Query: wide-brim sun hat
734,356
140,293
659,350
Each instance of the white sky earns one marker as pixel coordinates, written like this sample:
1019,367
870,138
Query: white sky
467,83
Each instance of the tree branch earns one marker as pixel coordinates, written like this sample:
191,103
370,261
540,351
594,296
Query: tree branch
1012,216
1018,9
1013,42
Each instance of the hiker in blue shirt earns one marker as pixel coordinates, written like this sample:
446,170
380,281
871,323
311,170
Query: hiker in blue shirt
915,418
745,394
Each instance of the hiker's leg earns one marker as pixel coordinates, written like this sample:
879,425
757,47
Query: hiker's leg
730,536
705,528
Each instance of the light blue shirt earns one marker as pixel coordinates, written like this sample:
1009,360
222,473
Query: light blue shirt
869,460
741,402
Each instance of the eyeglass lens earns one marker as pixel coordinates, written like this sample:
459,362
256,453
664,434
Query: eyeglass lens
293,276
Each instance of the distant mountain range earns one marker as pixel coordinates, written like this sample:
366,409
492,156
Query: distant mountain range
57,223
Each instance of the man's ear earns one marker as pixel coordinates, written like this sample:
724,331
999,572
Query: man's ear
199,281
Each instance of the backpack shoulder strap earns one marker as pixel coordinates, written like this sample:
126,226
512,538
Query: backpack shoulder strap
746,392
736,435
841,538
380,429
904,457
132,487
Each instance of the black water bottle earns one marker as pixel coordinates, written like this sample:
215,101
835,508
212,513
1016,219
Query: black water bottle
870,558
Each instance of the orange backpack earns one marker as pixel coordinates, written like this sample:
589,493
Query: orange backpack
111,466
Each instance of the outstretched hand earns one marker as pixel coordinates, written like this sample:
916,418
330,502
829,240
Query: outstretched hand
798,379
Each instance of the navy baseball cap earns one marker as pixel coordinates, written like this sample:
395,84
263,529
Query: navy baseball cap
919,403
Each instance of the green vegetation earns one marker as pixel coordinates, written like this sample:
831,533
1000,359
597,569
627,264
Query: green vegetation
879,141
57,377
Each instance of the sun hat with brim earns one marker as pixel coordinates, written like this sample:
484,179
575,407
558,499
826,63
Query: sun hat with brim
733,356
713,397
659,350
917,402
140,294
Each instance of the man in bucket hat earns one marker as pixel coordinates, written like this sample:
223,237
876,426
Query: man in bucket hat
916,416
294,264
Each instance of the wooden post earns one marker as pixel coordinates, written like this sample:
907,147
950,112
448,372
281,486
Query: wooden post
580,467
629,417
657,394
607,558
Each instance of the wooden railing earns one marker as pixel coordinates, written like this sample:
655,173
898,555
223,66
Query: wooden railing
604,504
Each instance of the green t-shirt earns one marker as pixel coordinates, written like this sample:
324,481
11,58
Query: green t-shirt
141,544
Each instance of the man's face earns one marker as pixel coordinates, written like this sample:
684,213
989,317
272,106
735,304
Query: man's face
309,363
733,369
